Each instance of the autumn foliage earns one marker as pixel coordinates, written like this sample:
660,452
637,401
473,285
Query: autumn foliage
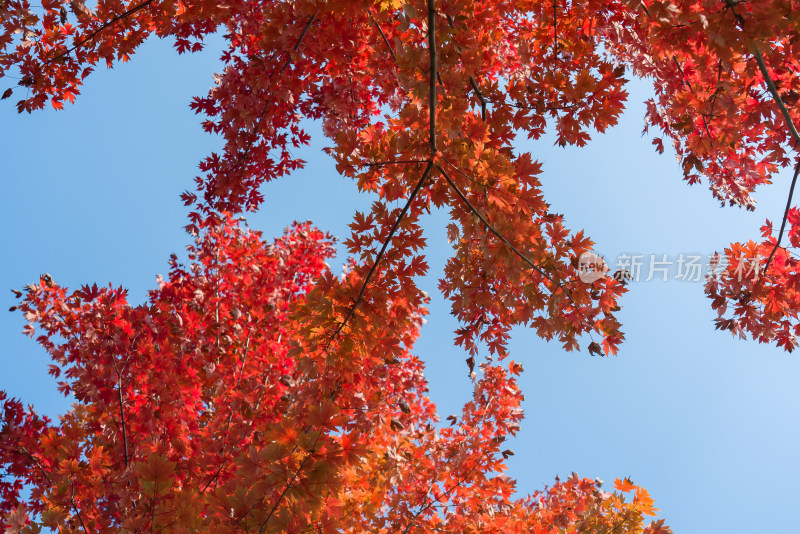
207,409
256,390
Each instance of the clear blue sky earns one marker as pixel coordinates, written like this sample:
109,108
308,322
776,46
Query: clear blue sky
708,424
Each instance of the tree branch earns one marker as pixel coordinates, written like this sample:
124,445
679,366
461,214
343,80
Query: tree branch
75,507
254,133
27,453
785,216
289,484
492,229
383,35
762,66
382,163
775,96
92,35
474,85
411,198
432,77
122,413
555,30
444,494
121,398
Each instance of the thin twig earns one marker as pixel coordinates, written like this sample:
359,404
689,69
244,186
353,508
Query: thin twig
383,35
122,412
785,216
775,96
75,507
474,85
471,179
716,91
289,484
37,464
625,518
411,198
50,480
262,115
270,471
691,89
122,399
283,493
555,30
235,388
445,493
244,358
706,120
492,229
381,163
249,426
439,77
92,35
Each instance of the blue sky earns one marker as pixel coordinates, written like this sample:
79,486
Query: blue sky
708,424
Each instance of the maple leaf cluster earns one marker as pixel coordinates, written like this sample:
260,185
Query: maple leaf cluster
725,75
755,290
713,67
429,116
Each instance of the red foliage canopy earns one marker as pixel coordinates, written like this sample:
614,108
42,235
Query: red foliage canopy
220,406
256,391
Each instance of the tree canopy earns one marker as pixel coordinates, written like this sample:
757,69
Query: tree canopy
258,391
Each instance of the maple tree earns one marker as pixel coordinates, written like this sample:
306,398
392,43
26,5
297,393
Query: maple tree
257,391
206,409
